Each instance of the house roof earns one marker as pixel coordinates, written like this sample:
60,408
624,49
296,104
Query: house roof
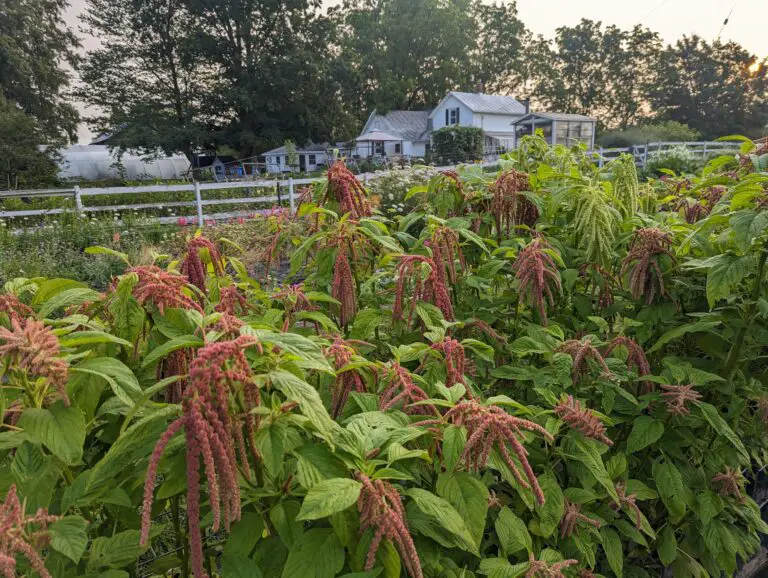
557,116
377,136
405,124
308,148
489,103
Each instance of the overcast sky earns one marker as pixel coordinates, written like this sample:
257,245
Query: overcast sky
671,18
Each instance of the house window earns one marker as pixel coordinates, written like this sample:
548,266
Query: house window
455,116
398,148
379,148
312,159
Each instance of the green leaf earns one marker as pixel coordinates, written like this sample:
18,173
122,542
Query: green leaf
711,414
270,441
645,431
551,512
746,226
586,453
470,498
67,298
116,552
329,497
316,554
59,428
669,483
51,287
181,342
680,330
441,512
725,276
667,546
120,378
708,506
79,338
98,250
310,404
512,532
239,566
613,550
454,439
68,537
244,535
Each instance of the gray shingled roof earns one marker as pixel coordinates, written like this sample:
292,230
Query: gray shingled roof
407,124
490,103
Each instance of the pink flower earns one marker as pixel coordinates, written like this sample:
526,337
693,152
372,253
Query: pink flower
182,221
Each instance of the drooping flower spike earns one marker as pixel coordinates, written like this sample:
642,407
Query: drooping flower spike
446,250
599,282
629,502
18,537
413,286
509,206
455,361
347,191
678,398
489,426
232,301
218,372
294,300
14,308
400,388
635,358
381,509
646,279
342,352
582,420
193,266
162,289
571,517
730,483
541,569
582,351
537,276
32,348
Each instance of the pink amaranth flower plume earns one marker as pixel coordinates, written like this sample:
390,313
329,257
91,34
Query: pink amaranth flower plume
194,267
541,569
646,279
347,191
14,308
401,388
489,425
510,207
571,517
677,398
217,375
381,509
414,287
163,289
32,348
582,420
537,276
581,351
730,483
342,352
635,358
446,250
629,502
17,536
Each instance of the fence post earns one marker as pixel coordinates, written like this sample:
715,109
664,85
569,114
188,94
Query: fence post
645,156
199,203
290,194
600,160
78,201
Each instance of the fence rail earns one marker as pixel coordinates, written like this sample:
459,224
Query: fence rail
641,153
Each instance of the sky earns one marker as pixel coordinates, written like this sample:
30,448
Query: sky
670,18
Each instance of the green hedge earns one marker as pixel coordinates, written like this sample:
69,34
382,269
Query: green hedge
458,143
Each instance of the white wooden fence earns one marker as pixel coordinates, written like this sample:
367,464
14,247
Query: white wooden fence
80,195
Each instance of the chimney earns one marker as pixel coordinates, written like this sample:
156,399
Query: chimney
527,104
479,87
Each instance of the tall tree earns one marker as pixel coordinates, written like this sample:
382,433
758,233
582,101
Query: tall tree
22,164
713,87
405,54
275,79
148,79
35,49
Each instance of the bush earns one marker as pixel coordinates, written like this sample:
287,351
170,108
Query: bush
680,159
668,131
455,144
390,187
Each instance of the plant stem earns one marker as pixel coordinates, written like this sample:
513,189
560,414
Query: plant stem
180,543
738,344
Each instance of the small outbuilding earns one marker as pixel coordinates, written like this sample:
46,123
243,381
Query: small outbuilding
559,128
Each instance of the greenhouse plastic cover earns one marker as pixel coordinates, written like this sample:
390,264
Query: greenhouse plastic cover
96,162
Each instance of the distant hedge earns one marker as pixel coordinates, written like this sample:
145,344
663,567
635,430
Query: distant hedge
458,143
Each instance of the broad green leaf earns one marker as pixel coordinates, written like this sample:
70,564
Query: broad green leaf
667,546
270,441
669,483
512,532
120,378
329,497
441,512
746,226
397,452
67,298
59,428
68,537
470,498
239,566
725,276
613,550
711,414
117,551
680,330
181,342
708,506
310,404
586,453
317,554
35,475
79,338
645,431
551,512
98,250
51,287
